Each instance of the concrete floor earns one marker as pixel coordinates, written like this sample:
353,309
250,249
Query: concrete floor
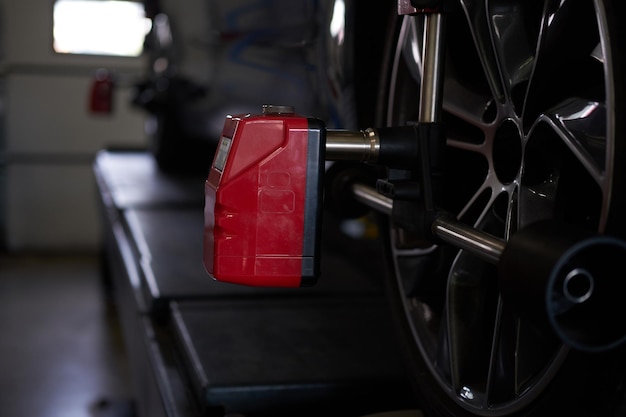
61,352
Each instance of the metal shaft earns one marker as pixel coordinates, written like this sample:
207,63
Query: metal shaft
371,198
432,72
347,145
462,236
449,230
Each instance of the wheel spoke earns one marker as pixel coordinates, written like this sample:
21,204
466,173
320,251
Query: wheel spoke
581,125
515,29
566,152
567,52
501,381
472,107
481,33
471,321
474,310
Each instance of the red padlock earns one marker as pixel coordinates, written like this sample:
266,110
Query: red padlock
263,200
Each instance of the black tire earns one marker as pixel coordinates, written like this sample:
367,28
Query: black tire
534,112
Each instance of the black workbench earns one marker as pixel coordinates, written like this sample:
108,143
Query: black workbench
198,347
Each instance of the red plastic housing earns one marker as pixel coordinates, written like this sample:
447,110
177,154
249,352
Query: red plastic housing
263,201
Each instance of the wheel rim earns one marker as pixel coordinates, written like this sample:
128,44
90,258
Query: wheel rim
527,141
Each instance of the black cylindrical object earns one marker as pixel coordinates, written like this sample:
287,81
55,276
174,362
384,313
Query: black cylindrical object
569,281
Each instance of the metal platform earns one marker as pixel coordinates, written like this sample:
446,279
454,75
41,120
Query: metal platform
277,357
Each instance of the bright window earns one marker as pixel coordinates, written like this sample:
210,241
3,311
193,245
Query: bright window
99,27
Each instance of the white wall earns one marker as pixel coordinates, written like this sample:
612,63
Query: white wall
50,137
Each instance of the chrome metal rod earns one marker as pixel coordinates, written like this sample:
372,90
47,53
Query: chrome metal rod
371,198
449,230
484,245
362,145
432,72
